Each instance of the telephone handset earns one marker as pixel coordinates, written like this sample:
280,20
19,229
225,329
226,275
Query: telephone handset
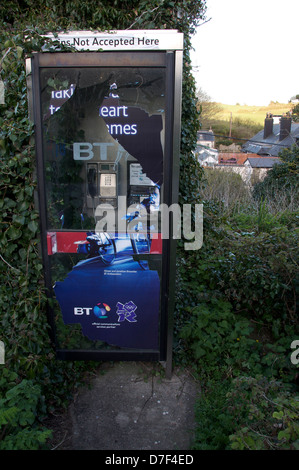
92,181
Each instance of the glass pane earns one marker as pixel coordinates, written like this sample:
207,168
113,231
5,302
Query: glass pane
103,145
94,122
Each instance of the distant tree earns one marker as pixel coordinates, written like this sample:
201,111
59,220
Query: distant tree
295,109
295,113
208,108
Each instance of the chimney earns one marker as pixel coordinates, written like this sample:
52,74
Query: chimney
285,127
268,127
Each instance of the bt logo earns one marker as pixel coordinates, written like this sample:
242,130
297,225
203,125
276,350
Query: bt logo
99,310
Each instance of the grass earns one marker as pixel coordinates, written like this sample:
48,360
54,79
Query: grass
239,122
256,114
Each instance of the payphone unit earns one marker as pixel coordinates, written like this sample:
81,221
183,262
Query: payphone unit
101,184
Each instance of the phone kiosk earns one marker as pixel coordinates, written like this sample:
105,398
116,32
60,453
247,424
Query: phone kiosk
107,127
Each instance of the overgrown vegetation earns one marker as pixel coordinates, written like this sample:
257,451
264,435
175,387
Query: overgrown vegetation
238,315
283,180
30,364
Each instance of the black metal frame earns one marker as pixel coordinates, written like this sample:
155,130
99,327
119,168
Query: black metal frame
172,61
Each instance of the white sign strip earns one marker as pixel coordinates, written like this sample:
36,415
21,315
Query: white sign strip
122,40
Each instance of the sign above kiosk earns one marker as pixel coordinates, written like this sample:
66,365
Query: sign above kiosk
162,39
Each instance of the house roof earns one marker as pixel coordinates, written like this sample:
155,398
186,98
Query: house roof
271,145
205,136
205,153
262,162
232,158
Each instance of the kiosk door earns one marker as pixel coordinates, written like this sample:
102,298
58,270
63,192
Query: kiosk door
104,133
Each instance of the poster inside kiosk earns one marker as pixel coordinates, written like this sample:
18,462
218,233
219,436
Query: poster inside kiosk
104,168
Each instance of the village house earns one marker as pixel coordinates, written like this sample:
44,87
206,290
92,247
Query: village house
257,155
206,138
274,137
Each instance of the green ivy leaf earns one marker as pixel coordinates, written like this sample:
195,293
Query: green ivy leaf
33,226
13,232
19,52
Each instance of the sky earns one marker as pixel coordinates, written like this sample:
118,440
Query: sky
247,53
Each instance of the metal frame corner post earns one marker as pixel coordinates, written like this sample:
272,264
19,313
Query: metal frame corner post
174,197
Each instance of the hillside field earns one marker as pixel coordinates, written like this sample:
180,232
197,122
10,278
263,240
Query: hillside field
256,114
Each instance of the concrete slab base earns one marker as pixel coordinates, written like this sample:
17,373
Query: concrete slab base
132,406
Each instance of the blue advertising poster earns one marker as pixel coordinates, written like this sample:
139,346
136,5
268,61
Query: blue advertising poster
115,300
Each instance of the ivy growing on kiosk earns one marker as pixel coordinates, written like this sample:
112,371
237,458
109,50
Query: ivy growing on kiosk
23,326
